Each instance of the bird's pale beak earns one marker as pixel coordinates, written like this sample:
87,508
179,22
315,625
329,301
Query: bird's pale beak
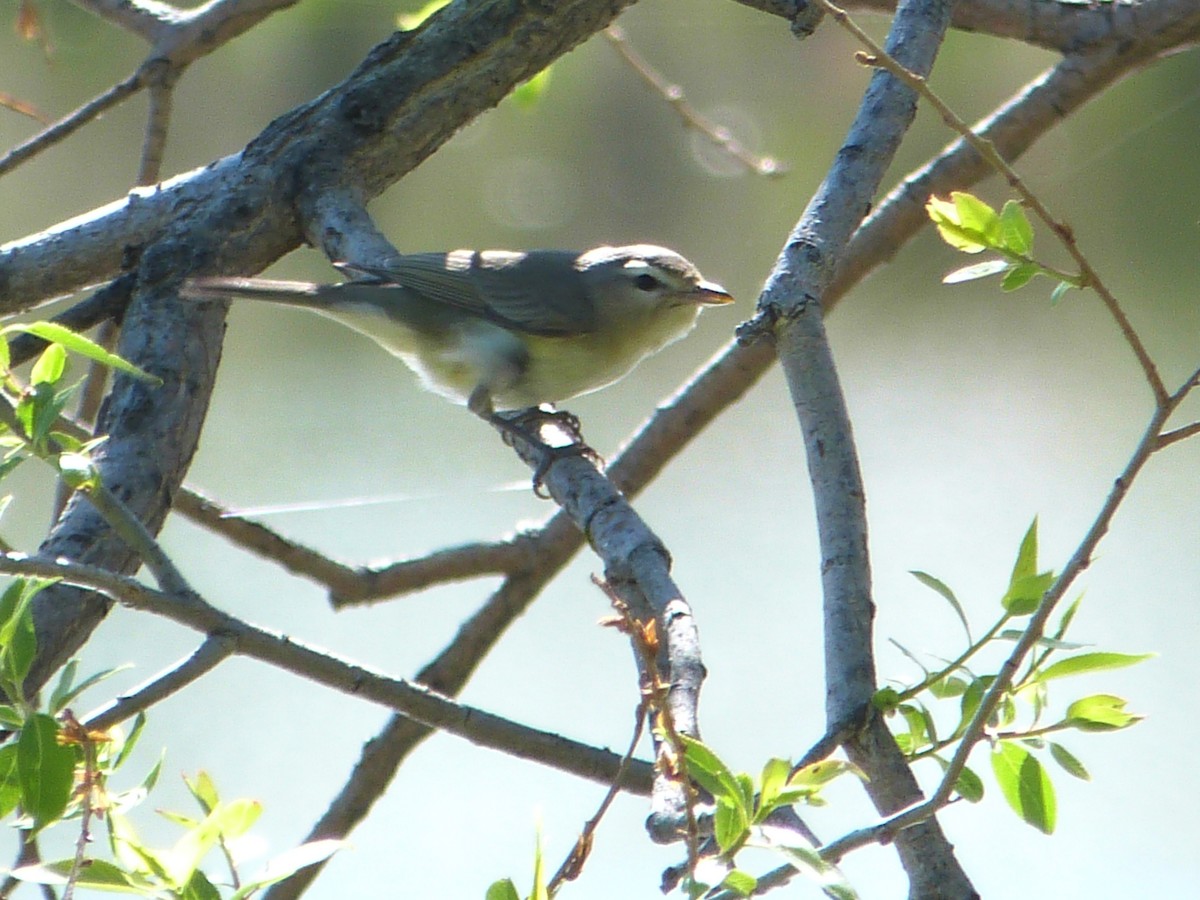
709,293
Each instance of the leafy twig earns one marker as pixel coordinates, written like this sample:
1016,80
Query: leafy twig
880,58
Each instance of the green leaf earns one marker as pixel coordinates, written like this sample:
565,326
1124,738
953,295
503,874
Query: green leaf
1024,595
886,699
527,94
810,864
65,338
18,640
948,595
237,817
774,777
746,786
78,471
948,686
1069,763
135,733
292,861
1067,617
151,778
499,890
1025,565
183,860
741,883
539,878
1025,785
10,782
129,850
818,774
1091,662
1100,712
1015,634
178,818
199,888
729,824
708,770
63,687
974,272
1016,234
1006,711
970,701
805,785
409,21
50,365
920,724
45,769
975,215
946,216
1019,276
969,786
204,790
63,698
97,875
38,412
1060,289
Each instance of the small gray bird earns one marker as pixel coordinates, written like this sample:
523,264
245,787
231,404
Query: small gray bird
498,329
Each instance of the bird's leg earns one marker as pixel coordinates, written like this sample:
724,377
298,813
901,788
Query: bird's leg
525,424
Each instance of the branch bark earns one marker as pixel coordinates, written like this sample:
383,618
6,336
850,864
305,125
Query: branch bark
791,308
408,97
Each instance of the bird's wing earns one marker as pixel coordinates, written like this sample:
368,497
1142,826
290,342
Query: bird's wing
546,297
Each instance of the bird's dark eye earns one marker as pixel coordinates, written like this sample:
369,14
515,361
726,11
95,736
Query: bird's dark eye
645,282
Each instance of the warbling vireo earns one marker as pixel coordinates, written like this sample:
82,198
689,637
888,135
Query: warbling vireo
505,330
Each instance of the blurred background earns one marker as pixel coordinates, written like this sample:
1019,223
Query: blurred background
974,412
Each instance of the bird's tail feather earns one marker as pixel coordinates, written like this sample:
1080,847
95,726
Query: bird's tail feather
296,293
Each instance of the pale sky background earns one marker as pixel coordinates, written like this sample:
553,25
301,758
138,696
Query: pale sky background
974,412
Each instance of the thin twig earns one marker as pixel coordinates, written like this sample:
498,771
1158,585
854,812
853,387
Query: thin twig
718,135
880,58
215,649
140,540
656,695
162,80
887,829
475,725
71,123
1179,434
572,866
90,781
147,20
351,585
107,302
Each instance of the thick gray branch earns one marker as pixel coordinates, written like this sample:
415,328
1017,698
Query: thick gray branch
792,302
239,215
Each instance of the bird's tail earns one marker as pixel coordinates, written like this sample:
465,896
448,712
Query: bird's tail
294,293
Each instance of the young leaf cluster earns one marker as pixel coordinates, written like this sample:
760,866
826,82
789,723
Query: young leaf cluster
138,869
55,772
29,413
1018,730
969,224
745,813
51,767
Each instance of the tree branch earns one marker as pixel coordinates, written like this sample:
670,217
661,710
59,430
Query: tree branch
791,307
416,702
411,93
